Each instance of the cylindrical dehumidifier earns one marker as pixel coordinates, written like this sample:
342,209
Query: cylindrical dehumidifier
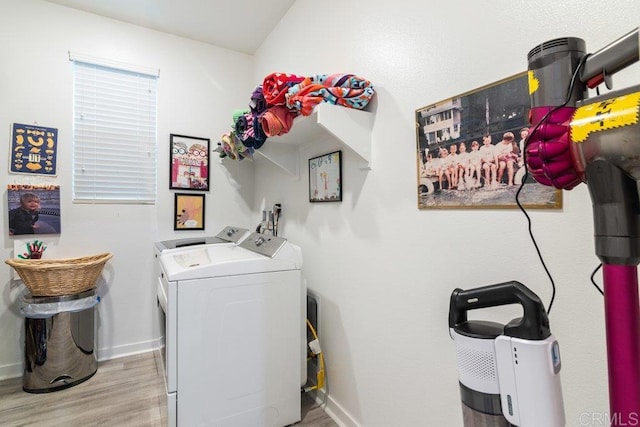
508,374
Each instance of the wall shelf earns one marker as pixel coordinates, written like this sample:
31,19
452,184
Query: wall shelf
351,127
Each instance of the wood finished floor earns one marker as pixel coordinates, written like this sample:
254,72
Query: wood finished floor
128,391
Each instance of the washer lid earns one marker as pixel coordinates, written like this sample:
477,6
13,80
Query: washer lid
229,234
222,260
193,241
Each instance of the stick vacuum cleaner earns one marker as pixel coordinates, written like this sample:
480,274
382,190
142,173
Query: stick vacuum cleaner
595,140
509,374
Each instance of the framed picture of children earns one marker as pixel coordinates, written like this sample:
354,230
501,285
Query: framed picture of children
189,163
325,178
470,151
33,209
189,211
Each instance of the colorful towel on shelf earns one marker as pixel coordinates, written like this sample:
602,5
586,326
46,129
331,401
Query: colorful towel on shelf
276,85
258,133
277,120
257,103
237,113
249,130
347,90
227,146
234,148
275,104
243,150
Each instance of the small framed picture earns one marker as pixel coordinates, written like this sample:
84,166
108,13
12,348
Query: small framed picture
189,163
33,209
33,149
325,178
189,211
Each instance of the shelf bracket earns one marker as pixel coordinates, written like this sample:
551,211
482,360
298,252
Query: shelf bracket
352,127
284,156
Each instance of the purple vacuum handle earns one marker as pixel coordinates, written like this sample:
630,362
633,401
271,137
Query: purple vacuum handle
622,317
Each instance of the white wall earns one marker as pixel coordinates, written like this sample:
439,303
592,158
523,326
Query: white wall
384,269
199,86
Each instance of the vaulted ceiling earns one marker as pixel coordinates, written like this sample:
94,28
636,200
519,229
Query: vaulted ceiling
239,25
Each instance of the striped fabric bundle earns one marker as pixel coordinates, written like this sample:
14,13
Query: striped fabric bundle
250,131
347,90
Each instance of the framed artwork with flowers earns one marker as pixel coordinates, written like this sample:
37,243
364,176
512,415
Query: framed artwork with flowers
189,163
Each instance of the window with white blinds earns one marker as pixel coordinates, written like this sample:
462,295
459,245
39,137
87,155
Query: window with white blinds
114,135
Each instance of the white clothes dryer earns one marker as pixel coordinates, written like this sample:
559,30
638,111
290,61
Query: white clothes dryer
235,333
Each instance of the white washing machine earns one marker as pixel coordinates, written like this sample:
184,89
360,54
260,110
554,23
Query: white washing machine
228,236
235,345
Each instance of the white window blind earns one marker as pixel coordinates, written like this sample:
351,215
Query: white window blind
114,135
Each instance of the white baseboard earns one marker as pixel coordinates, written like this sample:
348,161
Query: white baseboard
334,410
15,370
129,349
10,371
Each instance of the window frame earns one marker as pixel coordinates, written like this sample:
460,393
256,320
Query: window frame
115,129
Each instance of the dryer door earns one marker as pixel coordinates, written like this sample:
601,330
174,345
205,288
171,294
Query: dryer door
239,349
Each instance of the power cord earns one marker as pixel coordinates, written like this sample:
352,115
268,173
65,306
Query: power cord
593,280
316,351
526,175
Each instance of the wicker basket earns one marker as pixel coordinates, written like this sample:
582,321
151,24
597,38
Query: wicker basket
56,277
